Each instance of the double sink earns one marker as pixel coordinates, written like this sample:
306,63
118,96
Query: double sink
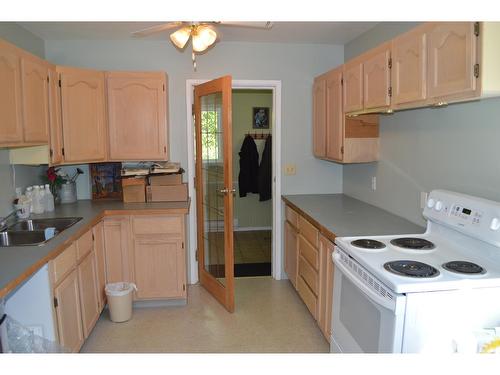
33,232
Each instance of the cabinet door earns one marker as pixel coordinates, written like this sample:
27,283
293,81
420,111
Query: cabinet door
291,253
137,116
83,115
11,125
452,55
116,248
334,116
35,76
326,287
319,118
68,315
409,67
55,124
98,234
377,78
159,267
87,281
353,86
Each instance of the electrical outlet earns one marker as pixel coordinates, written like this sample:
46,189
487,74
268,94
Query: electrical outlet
374,183
290,169
423,199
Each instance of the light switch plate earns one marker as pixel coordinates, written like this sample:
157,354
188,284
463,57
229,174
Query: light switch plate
290,169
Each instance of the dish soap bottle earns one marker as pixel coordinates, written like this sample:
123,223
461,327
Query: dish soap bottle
49,199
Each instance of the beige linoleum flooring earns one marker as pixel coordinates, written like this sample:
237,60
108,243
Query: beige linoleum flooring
269,317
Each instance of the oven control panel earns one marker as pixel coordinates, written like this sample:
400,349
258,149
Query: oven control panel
476,217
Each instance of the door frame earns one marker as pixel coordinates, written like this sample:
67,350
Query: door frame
276,255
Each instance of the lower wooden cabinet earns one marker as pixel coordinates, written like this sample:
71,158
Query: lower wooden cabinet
68,313
87,282
309,266
98,236
149,251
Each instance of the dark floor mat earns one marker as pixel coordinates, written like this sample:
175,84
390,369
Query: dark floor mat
252,269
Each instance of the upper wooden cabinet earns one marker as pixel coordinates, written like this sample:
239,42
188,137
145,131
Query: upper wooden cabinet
409,67
83,115
377,78
35,80
137,115
319,117
11,124
55,120
353,85
334,116
452,58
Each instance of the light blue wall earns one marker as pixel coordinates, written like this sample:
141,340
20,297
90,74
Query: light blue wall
23,175
455,148
295,65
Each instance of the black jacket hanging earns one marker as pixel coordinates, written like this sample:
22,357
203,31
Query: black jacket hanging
249,167
266,172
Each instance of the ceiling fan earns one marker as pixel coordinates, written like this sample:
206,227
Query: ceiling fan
203,34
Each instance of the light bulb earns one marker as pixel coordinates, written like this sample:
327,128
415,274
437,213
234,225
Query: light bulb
203,37
180,37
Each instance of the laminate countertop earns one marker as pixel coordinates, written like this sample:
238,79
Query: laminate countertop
18,263
338,215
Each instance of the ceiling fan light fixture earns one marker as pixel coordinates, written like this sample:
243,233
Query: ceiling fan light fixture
203,37
181,37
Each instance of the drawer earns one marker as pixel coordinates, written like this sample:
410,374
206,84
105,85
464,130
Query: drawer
84,245
309,231
158,225
309,252
291,216
307,296
309,274
63,263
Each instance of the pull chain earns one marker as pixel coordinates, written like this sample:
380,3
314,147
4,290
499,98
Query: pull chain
194,61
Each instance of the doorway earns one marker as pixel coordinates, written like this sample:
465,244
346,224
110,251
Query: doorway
252,124
276,254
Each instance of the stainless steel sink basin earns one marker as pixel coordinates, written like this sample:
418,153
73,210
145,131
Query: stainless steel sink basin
60,223
21,238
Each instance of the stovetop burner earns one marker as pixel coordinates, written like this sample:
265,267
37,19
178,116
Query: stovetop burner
411,268
366,243
463,267
413,243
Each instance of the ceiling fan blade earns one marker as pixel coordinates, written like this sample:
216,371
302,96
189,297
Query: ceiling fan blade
157,29
253,25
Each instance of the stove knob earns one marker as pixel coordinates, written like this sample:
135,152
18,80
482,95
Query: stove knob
430,203
495,224
439,206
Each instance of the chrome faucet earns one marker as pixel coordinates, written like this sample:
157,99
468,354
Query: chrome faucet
3,220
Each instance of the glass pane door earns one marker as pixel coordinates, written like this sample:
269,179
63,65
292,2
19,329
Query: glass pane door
215,189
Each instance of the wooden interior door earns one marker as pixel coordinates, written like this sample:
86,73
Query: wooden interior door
214,188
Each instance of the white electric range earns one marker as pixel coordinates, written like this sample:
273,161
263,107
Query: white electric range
420,293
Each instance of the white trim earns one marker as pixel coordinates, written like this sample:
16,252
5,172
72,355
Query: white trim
277,253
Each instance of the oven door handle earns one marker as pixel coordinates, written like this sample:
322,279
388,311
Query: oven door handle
379,300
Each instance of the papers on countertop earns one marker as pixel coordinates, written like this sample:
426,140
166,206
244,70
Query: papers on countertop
147,168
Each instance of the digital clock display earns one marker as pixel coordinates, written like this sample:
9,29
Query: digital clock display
466,211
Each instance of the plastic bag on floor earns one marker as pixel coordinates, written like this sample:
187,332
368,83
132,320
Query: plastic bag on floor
20,339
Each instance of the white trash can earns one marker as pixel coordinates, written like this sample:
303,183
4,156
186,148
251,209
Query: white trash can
120,300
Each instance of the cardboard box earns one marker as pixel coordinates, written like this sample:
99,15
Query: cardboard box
166,179
134,189
167,193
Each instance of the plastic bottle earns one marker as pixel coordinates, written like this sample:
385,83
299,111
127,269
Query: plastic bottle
42,197
37,201
49,199
29,195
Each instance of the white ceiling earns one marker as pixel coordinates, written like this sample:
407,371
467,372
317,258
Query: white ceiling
281,32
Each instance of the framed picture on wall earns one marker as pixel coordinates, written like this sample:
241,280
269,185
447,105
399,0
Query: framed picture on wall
260,118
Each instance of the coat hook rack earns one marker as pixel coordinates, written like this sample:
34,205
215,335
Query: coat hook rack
256,135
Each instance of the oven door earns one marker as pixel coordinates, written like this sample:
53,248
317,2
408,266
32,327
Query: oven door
367,317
